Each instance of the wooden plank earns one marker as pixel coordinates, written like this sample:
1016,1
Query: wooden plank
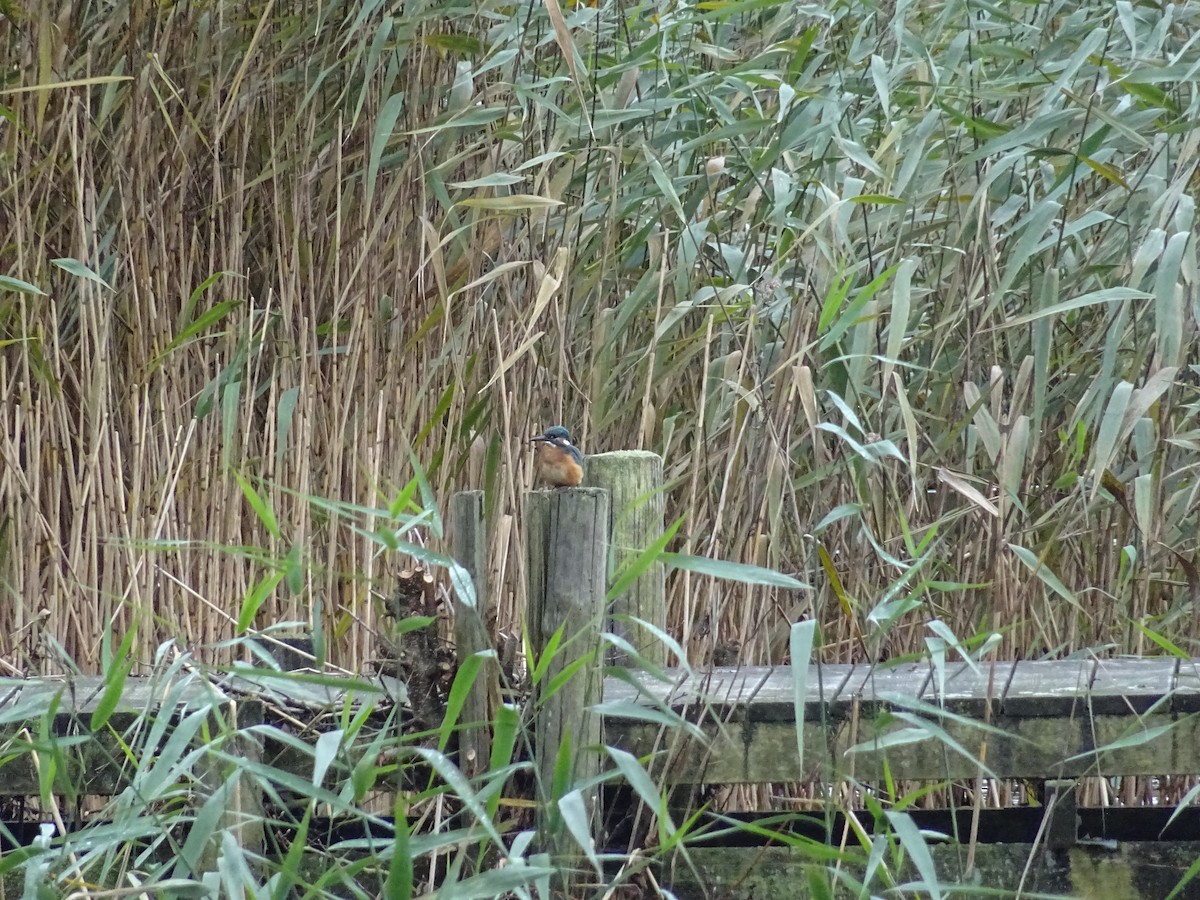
314,693
750,722
87,763
732,753
1057,719
744,745
963,689
1176,752
754,693
1185,697
1131,686
875,686
1042,688
1047,687
81,695
1102,869
1036,747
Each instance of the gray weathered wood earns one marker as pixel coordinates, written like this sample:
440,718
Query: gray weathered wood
92,763
753,752
80,696
1047,688
469,545
755,693
964,689
1185,694
1126,686
1062,810
1099,870
1055,719
243,812
634,480
567,551
873,685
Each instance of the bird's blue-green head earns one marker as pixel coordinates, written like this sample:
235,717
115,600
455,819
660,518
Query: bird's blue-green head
554,434
558,436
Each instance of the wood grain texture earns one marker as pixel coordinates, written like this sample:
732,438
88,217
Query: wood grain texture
469,543
567,551
1059,718
634,479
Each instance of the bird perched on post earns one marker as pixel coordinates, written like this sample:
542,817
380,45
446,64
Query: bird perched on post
558,462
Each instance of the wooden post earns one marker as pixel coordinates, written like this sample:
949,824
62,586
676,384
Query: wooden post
633,479
469,546
567,553
242,814
1062,831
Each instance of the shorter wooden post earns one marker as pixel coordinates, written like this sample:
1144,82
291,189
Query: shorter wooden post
242,813
1062,831
633,479
469,546
567,552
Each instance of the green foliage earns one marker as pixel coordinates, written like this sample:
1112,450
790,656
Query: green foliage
905,295
929,264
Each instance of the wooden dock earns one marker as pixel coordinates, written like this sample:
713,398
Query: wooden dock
1050,721
1044,719
1047,723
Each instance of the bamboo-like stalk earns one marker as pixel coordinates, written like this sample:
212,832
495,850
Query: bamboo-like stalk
747,320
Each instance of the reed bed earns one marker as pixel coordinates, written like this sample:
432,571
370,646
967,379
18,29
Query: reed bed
905,295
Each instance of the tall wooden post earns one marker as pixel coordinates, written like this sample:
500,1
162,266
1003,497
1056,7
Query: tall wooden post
469,546
567,552
633,479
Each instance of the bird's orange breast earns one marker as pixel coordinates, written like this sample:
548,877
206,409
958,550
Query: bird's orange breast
557,467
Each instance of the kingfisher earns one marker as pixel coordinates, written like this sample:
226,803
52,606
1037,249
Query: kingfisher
558,462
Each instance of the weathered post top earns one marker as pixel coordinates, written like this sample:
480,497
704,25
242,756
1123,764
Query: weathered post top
567,555
634,481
